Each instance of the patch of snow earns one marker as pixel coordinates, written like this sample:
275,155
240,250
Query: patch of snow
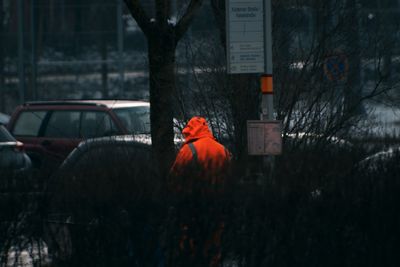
172,20
316,193
297,65
28,253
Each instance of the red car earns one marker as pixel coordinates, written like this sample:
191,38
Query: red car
50,130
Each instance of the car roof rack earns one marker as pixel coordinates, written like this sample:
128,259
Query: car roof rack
66,103
92,102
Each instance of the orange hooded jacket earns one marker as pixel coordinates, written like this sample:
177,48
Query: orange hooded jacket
201,158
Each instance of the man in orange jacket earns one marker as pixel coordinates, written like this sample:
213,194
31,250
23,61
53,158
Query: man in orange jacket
201,161
200,170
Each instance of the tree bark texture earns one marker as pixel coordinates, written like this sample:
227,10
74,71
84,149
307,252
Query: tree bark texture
161,54
162,38
244,102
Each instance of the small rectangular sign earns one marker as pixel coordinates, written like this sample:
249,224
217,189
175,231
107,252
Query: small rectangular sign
245,36
264,137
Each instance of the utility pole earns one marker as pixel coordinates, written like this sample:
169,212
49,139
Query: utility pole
249,50
267,103
266,79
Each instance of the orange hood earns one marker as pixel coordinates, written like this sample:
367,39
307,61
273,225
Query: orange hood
196,128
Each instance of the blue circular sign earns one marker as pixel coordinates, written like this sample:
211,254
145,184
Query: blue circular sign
336,67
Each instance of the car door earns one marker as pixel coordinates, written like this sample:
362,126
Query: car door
60,135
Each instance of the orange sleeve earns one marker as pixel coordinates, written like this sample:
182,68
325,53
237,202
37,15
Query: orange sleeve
182,160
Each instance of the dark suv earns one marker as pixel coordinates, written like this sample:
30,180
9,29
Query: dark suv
50,130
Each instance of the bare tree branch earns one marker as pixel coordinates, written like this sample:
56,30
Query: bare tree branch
139,14
218,7
183,24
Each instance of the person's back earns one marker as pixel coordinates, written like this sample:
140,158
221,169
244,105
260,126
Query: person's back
201,162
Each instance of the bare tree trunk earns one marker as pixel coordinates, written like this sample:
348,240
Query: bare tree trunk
244,106
161,53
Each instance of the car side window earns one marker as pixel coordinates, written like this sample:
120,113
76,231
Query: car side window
63,124
29,123
135,119
96,124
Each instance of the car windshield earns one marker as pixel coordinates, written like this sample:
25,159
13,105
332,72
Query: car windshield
5,136
135,119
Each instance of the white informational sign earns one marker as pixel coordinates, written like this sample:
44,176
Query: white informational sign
245,36
264,138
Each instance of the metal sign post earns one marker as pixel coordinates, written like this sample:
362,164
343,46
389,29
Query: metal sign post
249,50
267,84
267,78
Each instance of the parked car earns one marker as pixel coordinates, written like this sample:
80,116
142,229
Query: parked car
50,130
14,162
98,180
380,159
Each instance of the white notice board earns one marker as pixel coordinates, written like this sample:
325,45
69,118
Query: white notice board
245,36
264,137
